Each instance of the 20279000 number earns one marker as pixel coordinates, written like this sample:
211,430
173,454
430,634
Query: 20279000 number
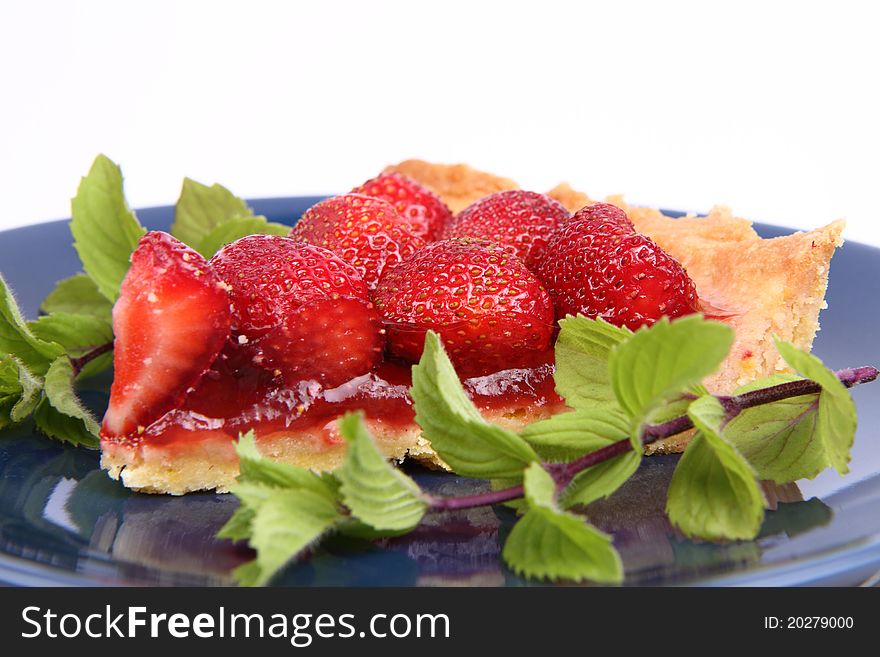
808,622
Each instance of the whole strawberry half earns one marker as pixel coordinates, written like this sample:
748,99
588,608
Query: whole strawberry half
489,310
605,213
171,320
421,208
364,231
602,269
523,220
299,309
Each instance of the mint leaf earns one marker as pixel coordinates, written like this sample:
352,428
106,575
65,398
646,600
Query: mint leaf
567,436
255,468
200,209
836,421
376,492
77,294
283,525
16,338
258,477
550,543
713,493
59,414
233,229
238,527
19,391
30,387
582,352
78,334
471,446
658,363
780,440
105,230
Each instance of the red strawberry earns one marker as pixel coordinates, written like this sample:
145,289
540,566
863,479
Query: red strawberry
606,213
364,231
489,310
602,269
523,220
170,322
300,309
421,208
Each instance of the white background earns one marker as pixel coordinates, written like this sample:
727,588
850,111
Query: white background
770,107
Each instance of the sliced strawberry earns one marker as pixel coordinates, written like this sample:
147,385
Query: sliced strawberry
299,309
364,231
421,208
170,322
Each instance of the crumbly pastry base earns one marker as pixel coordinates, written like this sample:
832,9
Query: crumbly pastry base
211,462
762,288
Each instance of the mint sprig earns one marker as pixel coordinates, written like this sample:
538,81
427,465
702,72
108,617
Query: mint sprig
574,458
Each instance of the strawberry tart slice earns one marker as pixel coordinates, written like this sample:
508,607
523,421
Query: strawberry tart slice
283,335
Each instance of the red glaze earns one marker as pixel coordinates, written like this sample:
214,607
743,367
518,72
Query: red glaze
234,399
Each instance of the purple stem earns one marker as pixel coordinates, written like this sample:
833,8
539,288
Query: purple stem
563,473
79,363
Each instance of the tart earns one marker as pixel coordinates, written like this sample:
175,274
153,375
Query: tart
173,422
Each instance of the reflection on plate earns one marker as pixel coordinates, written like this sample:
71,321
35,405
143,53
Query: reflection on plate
63,521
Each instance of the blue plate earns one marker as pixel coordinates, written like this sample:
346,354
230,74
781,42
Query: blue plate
63,521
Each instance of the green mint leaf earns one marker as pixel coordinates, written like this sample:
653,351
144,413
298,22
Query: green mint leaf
200,209
238,527
374,490
835,421
283,525
471,446
567,436
781,440
554,544
233,229
105,230
16,338
78,334
582,352
258,479
659,363
77,294
601,480
255,468
30,387
713,493
19,391
539,487
59,414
